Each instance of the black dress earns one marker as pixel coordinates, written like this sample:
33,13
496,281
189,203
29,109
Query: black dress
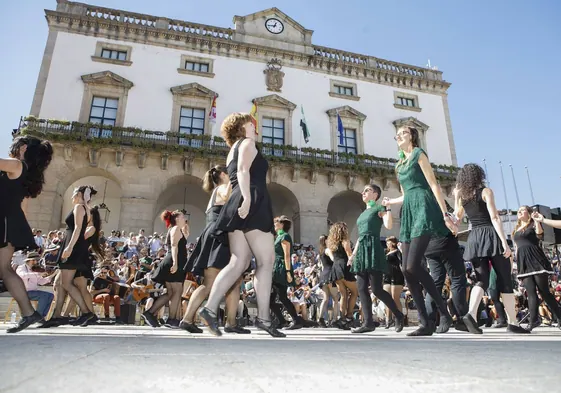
14,228
530,257
88,268
325,275
340,270
260,214
483,241
395,275
79,259
209,250
162,273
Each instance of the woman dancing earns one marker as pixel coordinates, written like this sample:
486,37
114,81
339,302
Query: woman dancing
368,259
423,215
247,218
394,280
211,255
283,274
339,250
21,177
533,266
170,270
486,243
327,286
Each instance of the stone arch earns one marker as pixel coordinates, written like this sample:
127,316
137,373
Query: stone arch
286,203
183,192
346,206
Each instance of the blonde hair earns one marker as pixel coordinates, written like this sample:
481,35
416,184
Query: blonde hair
338,233
232,127
520,223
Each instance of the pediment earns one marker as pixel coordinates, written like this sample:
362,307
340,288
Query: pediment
412,122
276,101
273,12
107,78
347,111
193,89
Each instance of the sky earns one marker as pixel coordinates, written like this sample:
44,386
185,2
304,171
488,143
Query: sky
502,57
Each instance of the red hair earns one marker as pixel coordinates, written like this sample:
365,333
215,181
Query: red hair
169,217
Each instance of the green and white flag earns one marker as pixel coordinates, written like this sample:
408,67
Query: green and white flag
305,130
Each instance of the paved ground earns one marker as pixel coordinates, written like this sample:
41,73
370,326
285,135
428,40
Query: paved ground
140,359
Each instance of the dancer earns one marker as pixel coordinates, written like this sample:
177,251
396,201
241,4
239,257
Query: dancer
533,266
423,215
393,280
486,243
369,262
170,270
495,296
21,177
327,286
339,250
211,255
283,274
247,217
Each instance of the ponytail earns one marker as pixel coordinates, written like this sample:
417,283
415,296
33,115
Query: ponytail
37,158
169,217
212,178
96,221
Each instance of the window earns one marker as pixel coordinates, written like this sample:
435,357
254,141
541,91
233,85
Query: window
343,90
103,111
349,142
273,133
406,101
114,54
199,67
191,121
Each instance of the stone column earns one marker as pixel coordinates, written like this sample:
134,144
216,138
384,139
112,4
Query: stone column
137,213
313,224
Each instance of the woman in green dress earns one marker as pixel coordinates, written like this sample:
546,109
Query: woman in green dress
368,260
283,274
423,215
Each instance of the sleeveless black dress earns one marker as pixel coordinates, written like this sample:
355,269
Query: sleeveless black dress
340,270
79,259
14,228
530,257
209,250
395,275
162,273
260,214
325,275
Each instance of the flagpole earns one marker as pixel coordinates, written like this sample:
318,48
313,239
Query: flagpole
515,188
504,190
530,184
486,173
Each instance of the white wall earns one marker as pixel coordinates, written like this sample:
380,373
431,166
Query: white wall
154,71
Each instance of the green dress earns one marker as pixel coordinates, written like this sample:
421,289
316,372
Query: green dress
420,213
279,268
370,255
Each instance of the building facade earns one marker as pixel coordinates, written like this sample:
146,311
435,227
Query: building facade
126,98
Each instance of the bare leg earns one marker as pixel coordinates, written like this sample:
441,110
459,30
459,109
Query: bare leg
344,296
175,299
335,296
351,285
13,282
388,288
60,295
262,246
70,308
232,302
396,295
200,294
325,301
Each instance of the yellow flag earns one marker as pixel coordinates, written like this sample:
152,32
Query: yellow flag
254,117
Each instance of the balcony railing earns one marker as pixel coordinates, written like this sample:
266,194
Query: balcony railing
101,136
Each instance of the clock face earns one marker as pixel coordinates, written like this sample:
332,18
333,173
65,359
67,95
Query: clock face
274,25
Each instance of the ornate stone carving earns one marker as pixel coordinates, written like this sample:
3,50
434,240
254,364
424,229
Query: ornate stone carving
164,162
188,164
142,155
331,176
385,184
351,179
68,152
273,174
119,155
274,76
295,173
93,155
314,176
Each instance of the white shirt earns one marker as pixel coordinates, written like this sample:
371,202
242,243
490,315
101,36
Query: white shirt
39,241
31,280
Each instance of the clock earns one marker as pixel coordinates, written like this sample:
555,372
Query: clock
274,25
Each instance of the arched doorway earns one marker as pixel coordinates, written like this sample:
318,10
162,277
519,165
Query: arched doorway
285,203
346,206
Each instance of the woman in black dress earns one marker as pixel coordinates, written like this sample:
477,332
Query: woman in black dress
339,250
211,255
170,270
247,218
327,286
533,266
393,280
21,177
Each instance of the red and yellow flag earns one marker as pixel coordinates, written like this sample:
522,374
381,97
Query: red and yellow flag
254,117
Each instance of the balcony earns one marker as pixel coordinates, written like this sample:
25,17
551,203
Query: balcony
98,136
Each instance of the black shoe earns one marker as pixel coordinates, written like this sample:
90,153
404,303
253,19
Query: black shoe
172,323
25,322
93,321
399,323
445,324
516,329
84,319
422,331
499,325
190,327
322,323
364,328
259,324
118,321
461,326
295,325
150,319
236,329
209,318
471,324
53,322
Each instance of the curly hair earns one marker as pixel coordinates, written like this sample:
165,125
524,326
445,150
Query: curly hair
338,233
232,127
37,157
470,178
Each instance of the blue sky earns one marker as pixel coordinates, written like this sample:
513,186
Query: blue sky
502,58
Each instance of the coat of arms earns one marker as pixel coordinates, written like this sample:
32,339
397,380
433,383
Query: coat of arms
274,75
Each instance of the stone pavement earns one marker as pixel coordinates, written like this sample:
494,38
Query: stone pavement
141,359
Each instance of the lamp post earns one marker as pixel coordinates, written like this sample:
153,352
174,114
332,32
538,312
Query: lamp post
104,207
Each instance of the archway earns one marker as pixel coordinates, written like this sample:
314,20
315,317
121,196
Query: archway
285,203
113,195
183,192
346,206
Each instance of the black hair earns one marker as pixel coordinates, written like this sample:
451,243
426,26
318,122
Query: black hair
37,158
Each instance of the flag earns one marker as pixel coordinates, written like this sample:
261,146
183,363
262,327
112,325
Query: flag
254,116
212,114
341,130
305,130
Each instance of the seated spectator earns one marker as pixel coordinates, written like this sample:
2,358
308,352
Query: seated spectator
101,290
32,280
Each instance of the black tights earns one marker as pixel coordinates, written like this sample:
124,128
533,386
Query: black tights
374,279
13,282
495,296
280,291
540,282
416,276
